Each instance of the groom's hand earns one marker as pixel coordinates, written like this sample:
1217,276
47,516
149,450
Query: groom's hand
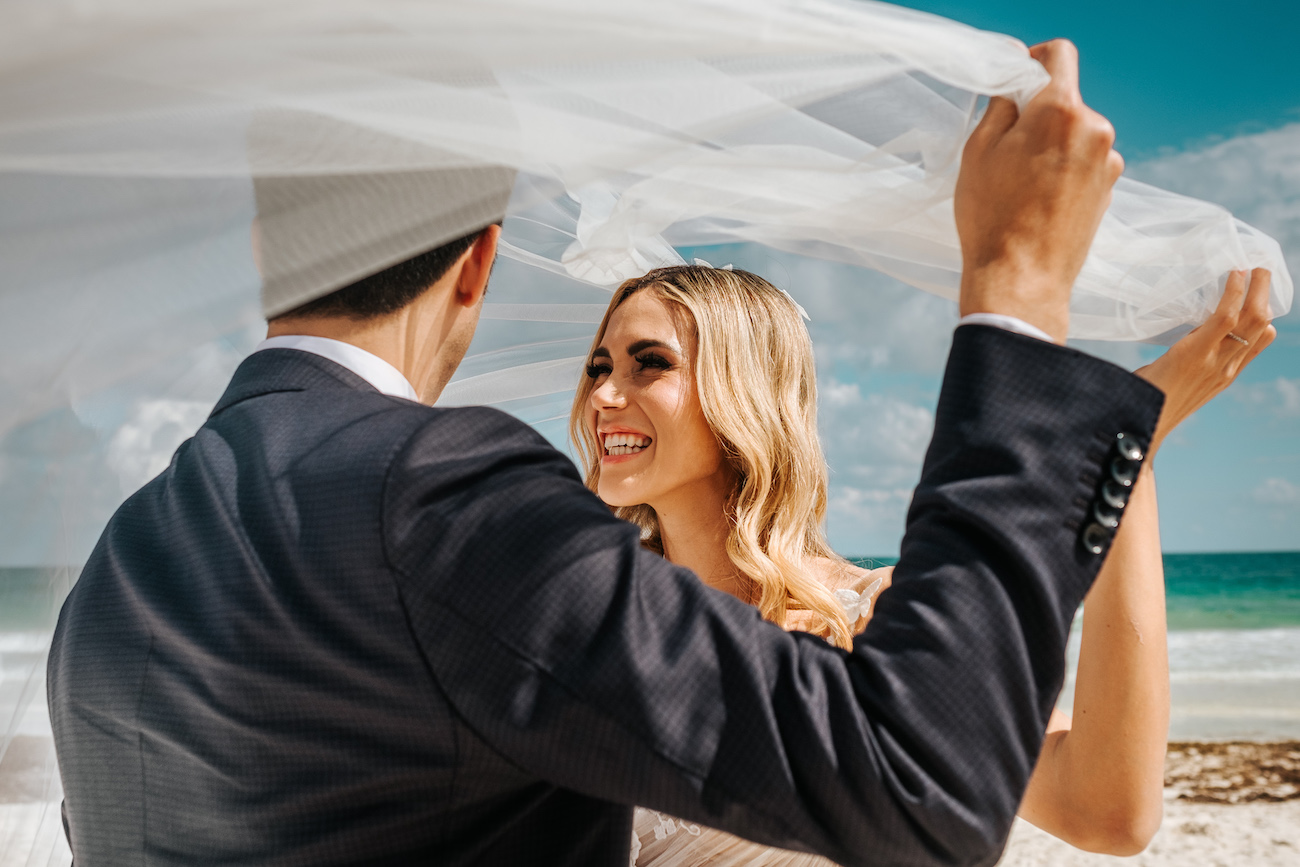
1032,190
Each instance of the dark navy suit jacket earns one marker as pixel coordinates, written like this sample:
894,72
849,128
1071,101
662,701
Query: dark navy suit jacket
343,628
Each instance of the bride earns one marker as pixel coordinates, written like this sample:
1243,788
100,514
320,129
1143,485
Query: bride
696,420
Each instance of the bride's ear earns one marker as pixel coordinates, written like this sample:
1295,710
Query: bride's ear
476,267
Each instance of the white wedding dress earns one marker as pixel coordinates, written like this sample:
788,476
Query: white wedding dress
131,132
662,841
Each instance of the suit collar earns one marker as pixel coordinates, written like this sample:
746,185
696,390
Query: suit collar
274,370
370,367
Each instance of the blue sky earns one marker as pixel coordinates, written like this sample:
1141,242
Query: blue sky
1168,74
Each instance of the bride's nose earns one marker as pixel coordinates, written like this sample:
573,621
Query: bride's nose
607,396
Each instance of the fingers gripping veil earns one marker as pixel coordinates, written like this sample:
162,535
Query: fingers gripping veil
172,172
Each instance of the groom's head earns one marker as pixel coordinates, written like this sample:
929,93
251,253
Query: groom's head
383,292
368,244
351,251
341,205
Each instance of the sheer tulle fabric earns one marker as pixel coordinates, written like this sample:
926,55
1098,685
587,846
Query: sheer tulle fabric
138,139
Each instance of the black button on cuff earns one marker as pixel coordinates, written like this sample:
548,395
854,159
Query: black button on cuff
1105,516
1114,495
1128,448
1095,537
1124,472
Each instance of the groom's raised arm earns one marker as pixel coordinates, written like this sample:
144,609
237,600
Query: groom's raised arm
600,668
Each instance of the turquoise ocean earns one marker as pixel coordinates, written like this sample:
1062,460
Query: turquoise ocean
1234,644
1251,590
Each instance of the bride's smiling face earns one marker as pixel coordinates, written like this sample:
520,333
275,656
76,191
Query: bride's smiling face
656,445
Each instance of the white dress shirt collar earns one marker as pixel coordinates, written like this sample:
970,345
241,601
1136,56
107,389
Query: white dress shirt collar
370,367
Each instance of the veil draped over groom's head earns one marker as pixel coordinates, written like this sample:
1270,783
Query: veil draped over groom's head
317,233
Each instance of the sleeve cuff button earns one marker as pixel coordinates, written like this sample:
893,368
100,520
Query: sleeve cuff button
1105,517
1124,472
1095,537
1128,447
1114,495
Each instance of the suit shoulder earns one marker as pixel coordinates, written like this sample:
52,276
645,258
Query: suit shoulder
475,440
477,475
474,426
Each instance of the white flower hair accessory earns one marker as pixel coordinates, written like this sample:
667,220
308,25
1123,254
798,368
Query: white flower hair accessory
730,267
857,605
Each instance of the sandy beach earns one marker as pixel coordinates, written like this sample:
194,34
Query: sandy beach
1256,834
1226,805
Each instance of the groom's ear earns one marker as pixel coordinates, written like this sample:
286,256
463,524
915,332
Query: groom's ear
476,267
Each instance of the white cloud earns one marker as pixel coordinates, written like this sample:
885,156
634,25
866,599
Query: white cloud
1279,398
143,446
1276,492
874,444
870,430
867,522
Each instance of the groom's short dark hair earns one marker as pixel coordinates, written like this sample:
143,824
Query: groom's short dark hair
391,289
356,222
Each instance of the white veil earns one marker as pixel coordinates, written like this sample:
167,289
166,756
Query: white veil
132,132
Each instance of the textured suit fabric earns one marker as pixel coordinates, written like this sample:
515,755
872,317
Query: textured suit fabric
343,628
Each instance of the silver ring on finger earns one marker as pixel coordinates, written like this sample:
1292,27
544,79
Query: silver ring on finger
1243,341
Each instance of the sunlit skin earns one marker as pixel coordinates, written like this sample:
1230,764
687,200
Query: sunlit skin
645,387
427,338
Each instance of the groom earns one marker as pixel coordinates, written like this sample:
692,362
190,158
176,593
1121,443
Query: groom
344,627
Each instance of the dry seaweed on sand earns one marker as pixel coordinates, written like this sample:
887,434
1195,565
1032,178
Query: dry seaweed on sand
1233,772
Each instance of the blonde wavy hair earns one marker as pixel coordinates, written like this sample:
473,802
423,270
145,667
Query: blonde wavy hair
756,380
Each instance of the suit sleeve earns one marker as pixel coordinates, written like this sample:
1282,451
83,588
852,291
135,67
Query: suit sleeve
602,668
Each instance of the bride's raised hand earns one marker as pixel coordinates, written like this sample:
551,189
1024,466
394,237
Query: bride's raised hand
1208,359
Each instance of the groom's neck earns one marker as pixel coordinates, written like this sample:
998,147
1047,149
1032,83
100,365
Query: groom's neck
425,340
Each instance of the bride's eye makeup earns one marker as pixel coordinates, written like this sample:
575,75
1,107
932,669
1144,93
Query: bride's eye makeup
644,352
653,360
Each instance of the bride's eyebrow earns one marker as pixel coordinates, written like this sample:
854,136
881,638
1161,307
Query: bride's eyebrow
634,348
643,345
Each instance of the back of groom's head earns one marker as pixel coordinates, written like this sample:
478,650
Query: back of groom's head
360,244
389,290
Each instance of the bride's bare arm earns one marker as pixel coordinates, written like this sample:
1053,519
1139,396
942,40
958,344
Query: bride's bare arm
1098,783
1099,779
